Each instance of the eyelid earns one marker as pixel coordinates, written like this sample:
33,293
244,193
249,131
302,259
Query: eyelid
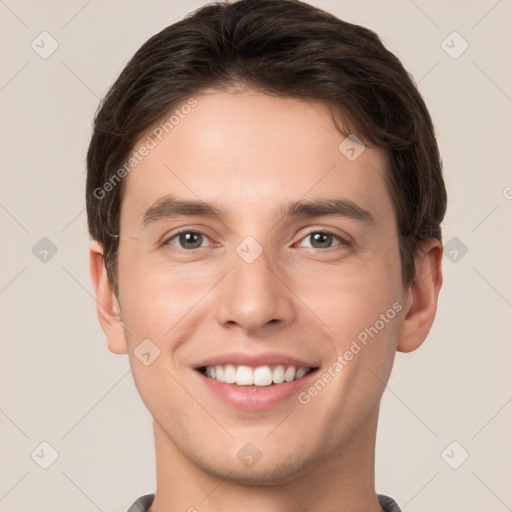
344,239
167,238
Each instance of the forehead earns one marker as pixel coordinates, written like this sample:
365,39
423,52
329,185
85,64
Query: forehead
253,152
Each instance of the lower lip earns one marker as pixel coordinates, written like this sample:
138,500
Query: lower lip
256,398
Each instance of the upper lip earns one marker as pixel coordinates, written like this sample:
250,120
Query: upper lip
263,359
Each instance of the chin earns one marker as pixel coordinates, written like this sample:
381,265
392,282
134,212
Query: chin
263,473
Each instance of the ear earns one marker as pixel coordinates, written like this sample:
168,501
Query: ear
421,302
107,305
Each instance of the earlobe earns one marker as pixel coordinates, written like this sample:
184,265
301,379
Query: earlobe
422,298
107,305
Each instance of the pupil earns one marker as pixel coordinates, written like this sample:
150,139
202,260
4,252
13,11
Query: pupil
322,238
187,239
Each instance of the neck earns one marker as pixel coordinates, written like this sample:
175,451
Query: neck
344,482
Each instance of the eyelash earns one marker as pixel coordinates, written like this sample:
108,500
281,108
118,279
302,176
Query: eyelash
343,241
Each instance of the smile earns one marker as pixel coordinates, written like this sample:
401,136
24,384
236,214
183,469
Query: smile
266,375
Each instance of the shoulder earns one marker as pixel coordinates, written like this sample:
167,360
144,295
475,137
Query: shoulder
388,504
142,503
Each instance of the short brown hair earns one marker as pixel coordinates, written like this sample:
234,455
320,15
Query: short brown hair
286,48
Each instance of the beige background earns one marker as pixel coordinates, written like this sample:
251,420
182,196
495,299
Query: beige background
61,385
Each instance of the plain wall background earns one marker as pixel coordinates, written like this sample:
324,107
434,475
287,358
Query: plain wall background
59,382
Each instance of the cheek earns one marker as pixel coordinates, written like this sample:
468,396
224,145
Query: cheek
347,297
362,308
157,298
350,299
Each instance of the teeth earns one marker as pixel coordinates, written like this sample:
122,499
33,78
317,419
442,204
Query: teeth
244,376
301,372
278,374
229,374
260,376
289,374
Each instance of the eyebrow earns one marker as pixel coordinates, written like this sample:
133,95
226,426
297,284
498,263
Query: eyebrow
169,207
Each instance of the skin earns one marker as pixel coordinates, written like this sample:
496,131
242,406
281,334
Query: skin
252,153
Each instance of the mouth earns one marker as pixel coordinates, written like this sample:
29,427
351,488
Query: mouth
255,383
255,376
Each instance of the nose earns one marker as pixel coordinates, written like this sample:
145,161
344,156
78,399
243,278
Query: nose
255,296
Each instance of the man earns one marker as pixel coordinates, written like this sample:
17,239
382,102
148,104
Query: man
264,195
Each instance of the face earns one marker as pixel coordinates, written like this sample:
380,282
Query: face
289,278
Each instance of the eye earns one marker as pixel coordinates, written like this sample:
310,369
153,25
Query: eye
324,240
188,239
